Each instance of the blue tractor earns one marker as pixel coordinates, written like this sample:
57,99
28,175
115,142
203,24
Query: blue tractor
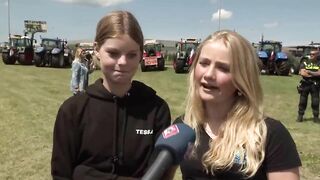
273,60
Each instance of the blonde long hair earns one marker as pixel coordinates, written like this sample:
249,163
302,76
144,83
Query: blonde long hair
77,54
244,130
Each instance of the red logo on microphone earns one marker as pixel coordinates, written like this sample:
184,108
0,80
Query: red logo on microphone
170,131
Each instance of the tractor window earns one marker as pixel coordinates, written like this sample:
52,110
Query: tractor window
27,42
50,43
189,46
267,47
151,49
277,48
20,42
14,42
158,47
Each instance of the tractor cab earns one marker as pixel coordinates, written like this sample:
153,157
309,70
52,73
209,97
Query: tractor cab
273,60
153,57
271,47
184,55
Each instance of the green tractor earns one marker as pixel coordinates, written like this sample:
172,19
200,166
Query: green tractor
302,53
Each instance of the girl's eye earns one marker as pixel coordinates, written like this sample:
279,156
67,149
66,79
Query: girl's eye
132,55
203,63
224,68
113,54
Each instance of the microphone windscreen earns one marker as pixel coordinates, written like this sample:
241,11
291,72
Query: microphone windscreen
176,139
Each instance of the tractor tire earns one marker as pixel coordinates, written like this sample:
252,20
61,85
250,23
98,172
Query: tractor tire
38,60
294,69
161,64
283,68
22,59
58,61
68,60
8,59
271,68
143,67
178,66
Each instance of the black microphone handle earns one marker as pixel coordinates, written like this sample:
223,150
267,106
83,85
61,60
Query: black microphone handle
163,161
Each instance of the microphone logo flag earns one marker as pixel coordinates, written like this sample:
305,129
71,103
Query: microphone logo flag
170,131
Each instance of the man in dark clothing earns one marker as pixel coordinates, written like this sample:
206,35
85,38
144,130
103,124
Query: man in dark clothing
309,70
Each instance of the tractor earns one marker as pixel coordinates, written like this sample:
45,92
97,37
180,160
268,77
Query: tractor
53,53
273,60
20,48
185,53
302,53
153,58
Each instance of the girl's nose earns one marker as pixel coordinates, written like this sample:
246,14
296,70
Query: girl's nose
210,72
122,59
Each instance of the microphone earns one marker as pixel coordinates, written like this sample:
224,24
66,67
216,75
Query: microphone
172,144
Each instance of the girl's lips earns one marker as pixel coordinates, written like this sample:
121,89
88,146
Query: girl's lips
207,86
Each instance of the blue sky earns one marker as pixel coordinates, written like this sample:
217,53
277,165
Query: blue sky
294,22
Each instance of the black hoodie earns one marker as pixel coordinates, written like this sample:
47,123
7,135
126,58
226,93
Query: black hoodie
98,135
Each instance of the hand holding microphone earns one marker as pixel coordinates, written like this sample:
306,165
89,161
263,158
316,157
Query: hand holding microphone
172,145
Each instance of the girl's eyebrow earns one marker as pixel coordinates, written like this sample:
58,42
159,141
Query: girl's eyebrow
223,63
116,49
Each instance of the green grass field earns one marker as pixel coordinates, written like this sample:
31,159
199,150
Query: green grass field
30,97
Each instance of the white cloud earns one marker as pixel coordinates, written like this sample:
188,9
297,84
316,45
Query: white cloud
271,25
96,2
224,14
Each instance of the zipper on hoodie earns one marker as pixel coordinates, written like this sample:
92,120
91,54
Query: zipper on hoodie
119,131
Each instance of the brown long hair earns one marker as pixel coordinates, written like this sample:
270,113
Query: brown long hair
118,23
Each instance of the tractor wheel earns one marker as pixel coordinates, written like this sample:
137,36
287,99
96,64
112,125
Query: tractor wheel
283,68
58,61
22,59
68,60
8,59
38,60
294,69
161,64
143,67
178,66
271,68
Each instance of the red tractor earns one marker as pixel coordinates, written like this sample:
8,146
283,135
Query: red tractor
153,57
20,49
185,53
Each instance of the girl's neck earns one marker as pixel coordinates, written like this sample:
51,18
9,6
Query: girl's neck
119,90
215,116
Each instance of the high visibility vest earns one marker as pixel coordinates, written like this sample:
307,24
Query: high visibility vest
311,66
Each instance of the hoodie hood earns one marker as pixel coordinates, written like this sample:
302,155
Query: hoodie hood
137,91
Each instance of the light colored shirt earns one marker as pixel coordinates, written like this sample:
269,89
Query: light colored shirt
79,78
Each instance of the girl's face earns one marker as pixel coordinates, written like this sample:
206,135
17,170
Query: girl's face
119,59
212,74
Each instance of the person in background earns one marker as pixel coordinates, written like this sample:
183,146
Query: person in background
109,131
224,104
310,73
80,72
